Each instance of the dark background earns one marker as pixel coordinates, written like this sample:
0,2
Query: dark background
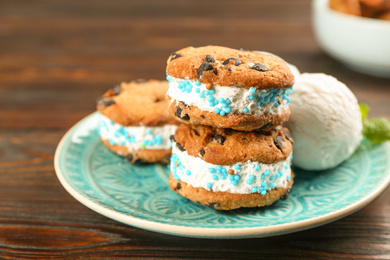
56,57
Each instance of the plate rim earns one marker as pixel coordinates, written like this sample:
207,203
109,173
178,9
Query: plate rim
203,232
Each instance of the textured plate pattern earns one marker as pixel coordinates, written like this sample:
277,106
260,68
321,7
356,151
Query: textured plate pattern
105,181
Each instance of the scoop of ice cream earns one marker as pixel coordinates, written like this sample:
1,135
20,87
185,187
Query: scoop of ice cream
325,122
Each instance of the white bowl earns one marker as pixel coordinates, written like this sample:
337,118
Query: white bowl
363,44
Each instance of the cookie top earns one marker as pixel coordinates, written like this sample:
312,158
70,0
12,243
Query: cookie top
229,67
138,103
227,146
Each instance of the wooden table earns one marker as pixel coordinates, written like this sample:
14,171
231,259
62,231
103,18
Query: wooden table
56,57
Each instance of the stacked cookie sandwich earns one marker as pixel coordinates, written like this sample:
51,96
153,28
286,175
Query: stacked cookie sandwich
230,151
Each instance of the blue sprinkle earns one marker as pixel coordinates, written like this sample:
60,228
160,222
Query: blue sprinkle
211,104
224,105
209,185
211,170
249,181
262,176
288,100
276,104
263,192
272,184
122,143
207,92
264,184
237,166
212,91
251,176
224,171
271,178
231,177
219,167
215,177
216,102
189,90
288,178
252,90
197,83
188,172
222,100
223,177
266,99
273,99
237,177
222,113
210,99
264,94
286,167
266,172
251,97
197,90
254,189
201,95
112,142
149,132
228,110
234,183
245,110
217,110
228,101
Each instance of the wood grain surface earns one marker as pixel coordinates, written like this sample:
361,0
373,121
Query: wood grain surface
57,56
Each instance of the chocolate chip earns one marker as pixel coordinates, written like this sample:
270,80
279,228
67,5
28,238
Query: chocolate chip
178,111
259,67
181,148
210,58
237,62
140,80
130,157
212,205
172,138
105,102
219,138
230,69
117,89
174,56
202,116
278,140
287,135
178,186
286,195
178,114
196,132
265,126
205,66
201,152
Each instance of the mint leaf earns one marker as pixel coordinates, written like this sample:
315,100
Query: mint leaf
364,110
377,130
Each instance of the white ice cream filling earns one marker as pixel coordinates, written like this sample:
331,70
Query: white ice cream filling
224,100
249,177
136,137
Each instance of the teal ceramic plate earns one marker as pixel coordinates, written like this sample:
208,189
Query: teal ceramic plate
139,195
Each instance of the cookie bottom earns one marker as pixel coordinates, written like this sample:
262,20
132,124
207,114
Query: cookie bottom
144,155
226,200
243,122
